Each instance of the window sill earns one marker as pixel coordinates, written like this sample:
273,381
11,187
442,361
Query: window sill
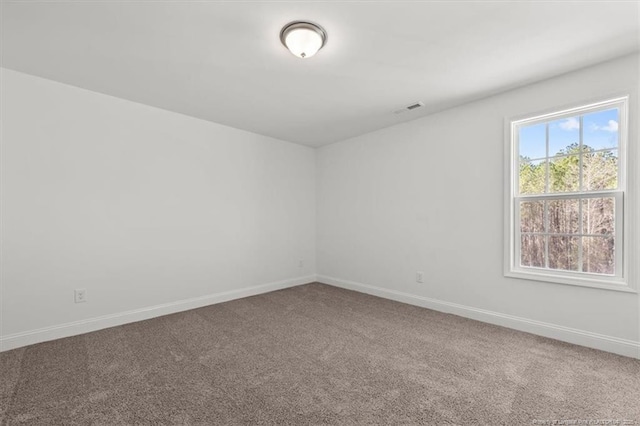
592,282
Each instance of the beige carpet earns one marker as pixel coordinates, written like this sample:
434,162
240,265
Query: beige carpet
314,355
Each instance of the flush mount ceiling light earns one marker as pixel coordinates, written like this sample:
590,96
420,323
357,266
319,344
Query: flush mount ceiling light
303,39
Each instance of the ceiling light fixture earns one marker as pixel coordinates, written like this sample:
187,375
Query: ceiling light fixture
303,39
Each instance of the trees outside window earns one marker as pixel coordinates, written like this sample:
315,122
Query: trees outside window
567,194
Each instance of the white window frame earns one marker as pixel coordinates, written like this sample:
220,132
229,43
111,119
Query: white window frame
620,280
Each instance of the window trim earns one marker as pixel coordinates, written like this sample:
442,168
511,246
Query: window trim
512,269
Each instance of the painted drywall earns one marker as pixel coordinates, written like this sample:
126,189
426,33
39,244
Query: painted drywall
141,207
428,196
154,212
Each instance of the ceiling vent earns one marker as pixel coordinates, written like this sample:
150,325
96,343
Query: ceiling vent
409,107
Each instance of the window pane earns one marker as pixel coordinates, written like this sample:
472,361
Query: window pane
532,177
601,129
532,216
564,174
532,251
598,216
563,253
569,182
564,136
564,216
600,170
598,255
532,141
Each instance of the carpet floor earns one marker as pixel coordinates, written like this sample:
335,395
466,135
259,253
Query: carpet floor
314,354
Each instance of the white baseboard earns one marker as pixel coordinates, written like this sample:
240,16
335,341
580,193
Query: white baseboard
30,337
616,345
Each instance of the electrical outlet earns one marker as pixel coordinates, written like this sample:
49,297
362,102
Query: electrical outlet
81,295
419,277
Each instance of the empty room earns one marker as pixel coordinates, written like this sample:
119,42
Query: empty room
320,212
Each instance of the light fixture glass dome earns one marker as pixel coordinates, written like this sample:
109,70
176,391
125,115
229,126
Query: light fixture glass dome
303,39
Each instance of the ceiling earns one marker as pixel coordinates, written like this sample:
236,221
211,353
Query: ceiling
223,61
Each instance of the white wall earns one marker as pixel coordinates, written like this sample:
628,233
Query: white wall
428,196
154,212
140,206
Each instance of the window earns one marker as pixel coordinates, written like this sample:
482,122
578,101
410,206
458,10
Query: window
566,196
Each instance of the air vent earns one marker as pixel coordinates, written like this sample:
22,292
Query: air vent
409,108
